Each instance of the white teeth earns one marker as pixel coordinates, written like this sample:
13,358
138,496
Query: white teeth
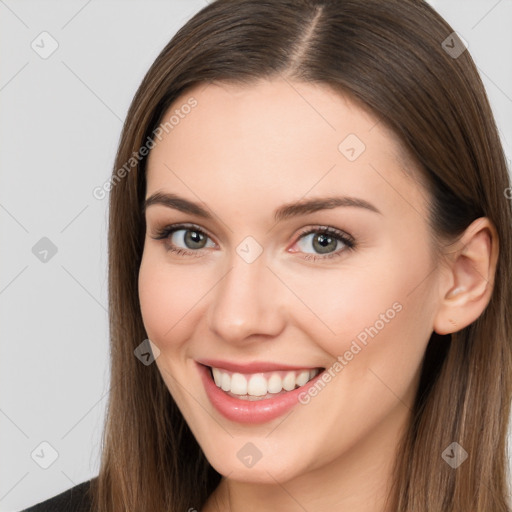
225,383
289,381
259,384
275,384
303,377
238,384
217,377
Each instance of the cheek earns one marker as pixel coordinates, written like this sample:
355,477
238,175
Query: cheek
170,296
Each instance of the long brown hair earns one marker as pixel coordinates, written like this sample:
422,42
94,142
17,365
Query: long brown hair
390,56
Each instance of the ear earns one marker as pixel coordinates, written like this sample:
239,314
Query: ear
466,287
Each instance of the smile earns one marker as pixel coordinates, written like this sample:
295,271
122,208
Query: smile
255,393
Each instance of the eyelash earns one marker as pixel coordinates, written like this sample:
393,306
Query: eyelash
344,238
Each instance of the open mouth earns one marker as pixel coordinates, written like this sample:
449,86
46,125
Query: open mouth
262,385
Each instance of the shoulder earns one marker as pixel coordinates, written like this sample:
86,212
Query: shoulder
75,499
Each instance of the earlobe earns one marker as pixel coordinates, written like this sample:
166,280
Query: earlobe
466,289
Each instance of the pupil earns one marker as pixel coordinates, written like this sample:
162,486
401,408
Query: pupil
194,238
324,241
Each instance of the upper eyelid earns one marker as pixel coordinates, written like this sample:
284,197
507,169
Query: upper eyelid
187,226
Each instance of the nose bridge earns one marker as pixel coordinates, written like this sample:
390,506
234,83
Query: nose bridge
246,301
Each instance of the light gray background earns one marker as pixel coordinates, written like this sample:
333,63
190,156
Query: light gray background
60,125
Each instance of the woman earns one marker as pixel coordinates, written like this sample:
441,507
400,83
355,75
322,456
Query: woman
308,219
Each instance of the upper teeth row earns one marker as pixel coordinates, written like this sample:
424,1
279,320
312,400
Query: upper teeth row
259,384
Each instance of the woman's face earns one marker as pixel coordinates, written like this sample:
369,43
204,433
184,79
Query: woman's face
264,294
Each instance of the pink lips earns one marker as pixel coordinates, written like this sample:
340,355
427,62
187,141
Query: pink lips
250,367
245,411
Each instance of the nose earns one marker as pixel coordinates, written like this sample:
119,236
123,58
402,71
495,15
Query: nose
248,303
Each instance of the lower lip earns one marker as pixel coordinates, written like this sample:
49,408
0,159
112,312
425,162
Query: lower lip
250,411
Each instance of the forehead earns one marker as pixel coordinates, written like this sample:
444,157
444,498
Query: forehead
280,138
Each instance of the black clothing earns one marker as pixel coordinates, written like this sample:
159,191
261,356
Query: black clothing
75,499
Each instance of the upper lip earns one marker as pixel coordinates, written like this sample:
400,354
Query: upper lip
252,367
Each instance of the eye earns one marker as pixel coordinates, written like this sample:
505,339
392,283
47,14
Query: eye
328,242
184,239
189,240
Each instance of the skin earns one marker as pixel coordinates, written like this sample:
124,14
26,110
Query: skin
241,153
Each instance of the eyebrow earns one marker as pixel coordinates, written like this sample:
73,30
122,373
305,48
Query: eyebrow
283,212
